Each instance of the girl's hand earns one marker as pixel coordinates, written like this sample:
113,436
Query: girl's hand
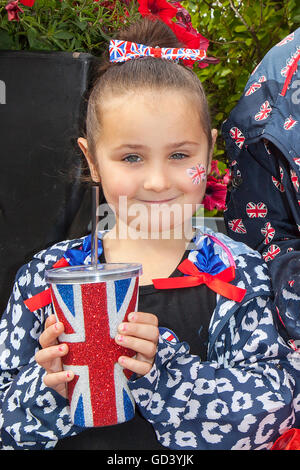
50,357
140,334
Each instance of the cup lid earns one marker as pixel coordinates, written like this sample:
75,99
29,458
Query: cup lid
89,274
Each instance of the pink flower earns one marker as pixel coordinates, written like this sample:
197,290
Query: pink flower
216,188
214,168
226,178
13,11
215,195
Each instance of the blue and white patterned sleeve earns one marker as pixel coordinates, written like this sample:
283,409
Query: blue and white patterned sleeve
32,416
244,397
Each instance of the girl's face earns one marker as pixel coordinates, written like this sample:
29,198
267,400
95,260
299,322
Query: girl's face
152,150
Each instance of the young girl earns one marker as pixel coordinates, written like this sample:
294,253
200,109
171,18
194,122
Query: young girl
226,380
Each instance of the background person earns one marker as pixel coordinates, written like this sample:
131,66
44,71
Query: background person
262,136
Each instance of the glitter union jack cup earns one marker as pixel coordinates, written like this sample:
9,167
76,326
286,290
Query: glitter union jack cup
91,302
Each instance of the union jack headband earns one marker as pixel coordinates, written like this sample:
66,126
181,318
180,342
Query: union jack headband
121,51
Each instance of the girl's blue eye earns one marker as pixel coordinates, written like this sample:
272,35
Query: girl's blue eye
135,158
179,156
131,158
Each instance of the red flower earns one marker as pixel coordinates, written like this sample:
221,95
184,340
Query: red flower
157,8
182,14
109,5
27,3
189,36
182,28
215,195
13,11
184,31
30,3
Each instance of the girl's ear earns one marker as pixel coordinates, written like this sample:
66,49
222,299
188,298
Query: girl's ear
214,135
90,160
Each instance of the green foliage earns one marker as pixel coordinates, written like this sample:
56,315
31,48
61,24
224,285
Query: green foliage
81,26
240,34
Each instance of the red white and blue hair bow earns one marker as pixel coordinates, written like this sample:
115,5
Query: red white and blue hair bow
121,51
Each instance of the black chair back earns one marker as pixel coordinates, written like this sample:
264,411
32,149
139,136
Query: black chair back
42,108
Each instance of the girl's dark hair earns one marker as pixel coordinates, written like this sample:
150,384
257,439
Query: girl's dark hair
143,73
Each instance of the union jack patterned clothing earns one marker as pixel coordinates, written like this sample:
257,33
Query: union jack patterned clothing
262,136
243,396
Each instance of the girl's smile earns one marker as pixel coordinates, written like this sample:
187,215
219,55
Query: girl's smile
158,201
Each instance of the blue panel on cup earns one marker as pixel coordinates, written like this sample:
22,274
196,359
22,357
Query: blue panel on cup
67,294
121,287
79,413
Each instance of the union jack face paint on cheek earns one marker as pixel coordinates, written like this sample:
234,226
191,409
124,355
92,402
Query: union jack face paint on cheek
197,173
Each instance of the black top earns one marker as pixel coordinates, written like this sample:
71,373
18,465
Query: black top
187,312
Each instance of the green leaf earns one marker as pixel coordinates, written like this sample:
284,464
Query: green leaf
240,28
34,42
82,25
225,72
212,213
6,40
61,34
219,116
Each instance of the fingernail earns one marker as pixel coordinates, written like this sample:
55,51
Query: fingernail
131,317
61,348
122,327
122,360
120,338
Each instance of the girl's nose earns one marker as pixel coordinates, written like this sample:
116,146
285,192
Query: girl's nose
157,179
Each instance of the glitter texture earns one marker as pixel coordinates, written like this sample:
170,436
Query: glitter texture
98,395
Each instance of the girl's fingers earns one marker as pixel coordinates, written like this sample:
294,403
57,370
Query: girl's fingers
50,320
48,355
51,333
139,367
140,333
56,379
143,317
139,330
146,348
